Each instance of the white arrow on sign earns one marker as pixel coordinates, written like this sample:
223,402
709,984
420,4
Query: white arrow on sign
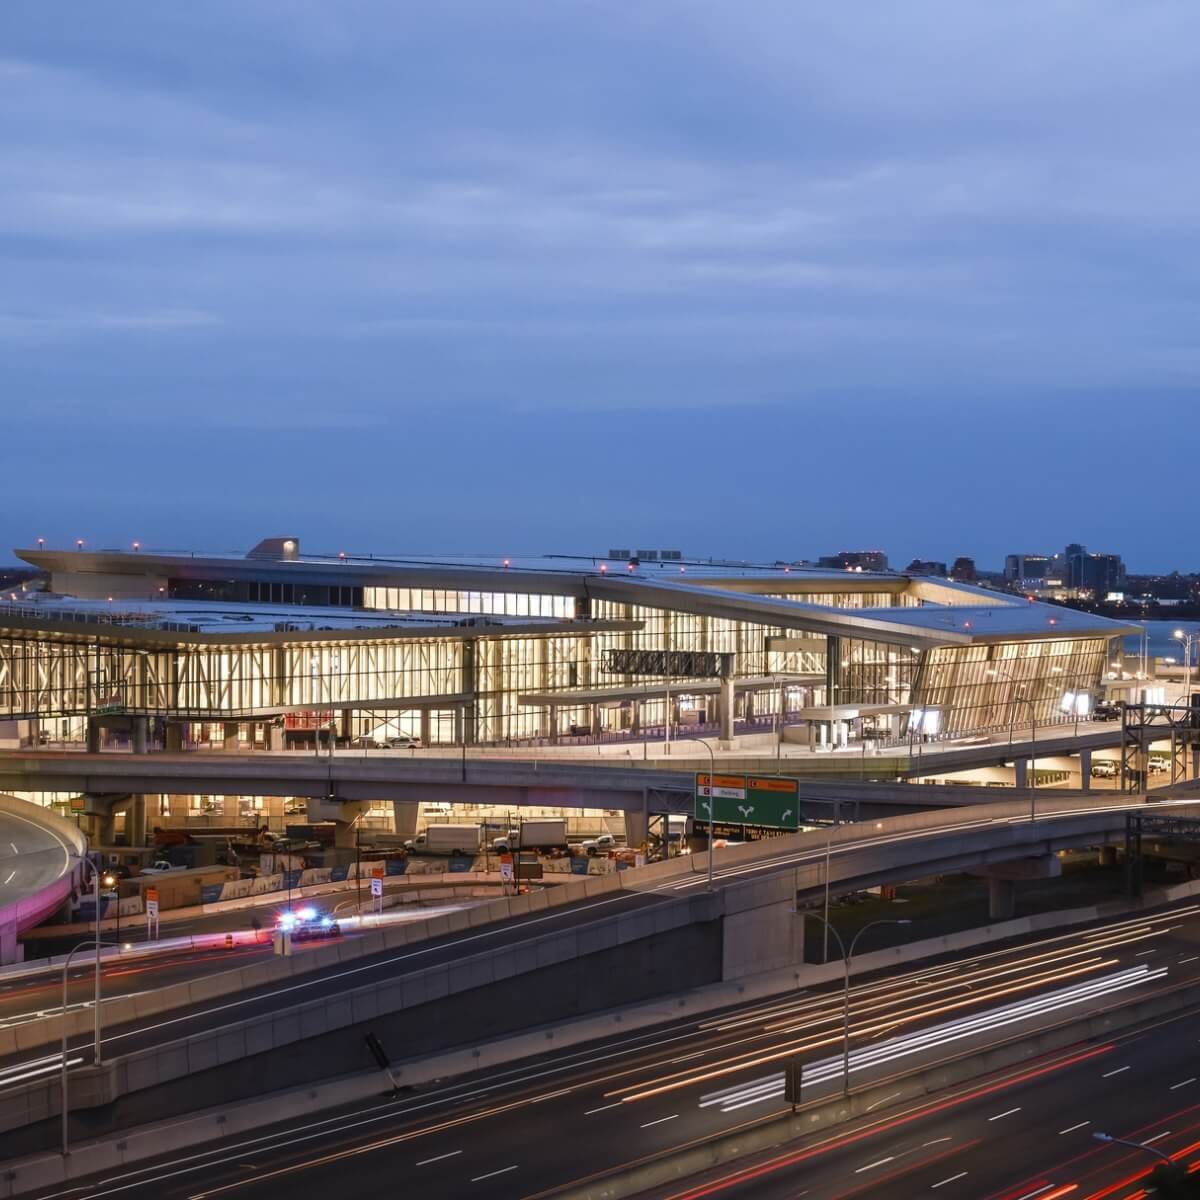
746,810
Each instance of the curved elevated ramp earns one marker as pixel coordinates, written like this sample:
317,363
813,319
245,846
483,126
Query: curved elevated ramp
39,863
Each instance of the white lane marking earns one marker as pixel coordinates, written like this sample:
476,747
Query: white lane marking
14,846
71,1062
449,1154
877,1103
1110,1074
872,1166
1001,1116
660,1121
943,1182
493,1174
1193,958
10,876
935,1142
1157,1137
1036,1192
1072,1128
602,1108
1142,953
1181,1083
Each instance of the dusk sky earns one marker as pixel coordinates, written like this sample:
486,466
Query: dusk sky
750,279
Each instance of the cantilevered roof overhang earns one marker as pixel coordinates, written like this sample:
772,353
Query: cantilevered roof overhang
656,691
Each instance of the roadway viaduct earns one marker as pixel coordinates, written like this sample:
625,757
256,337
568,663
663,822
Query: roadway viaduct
338,786
497,968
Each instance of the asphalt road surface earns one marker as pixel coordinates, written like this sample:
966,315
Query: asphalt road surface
526,1130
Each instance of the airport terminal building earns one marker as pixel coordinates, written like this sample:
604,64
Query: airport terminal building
260,649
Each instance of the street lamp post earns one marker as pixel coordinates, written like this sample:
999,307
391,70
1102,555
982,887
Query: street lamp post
712,782
847,958
1185,640
1108,1137
111,881
96,1054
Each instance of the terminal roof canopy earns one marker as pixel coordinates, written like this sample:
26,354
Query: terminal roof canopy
917,611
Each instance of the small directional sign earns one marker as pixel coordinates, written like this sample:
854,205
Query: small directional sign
770,802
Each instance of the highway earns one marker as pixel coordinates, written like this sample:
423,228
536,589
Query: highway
659,885
1026,1135
525,1130
389,964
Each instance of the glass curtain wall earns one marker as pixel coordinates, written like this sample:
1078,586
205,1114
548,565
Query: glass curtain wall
447,600
1001,685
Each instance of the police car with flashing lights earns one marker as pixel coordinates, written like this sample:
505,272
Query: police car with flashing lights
307,925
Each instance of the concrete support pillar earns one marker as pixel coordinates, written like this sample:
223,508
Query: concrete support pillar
139,736
425,726
595,718
552,729
173,736
725,712
344,731
635,716
274,736
93,735
1021,772
1108,856
232,729
1002,899
343,829
637,828
1085,770
135,821
404,817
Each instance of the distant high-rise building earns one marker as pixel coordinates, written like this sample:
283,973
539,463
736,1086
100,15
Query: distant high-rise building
920,566
1021,567
1097,574
963,569
855,560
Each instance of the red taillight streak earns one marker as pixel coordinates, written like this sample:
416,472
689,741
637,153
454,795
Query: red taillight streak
800,1156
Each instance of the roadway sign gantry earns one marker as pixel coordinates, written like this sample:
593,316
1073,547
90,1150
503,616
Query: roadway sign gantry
772,802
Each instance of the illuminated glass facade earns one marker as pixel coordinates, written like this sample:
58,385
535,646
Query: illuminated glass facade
521,656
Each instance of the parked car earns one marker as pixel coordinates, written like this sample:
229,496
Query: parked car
160,867
1158,764
598,845
366,742
1106,710
1105,768
404,743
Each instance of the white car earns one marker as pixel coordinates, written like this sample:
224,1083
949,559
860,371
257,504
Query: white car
600,844
1105,768
161,867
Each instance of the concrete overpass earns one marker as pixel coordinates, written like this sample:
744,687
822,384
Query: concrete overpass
638,930
338,788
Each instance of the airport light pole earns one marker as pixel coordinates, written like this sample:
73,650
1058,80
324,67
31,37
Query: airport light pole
66,1149
1108,1137
1185,639
712,780
847,959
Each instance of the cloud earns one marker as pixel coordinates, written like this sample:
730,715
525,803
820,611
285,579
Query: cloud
287,212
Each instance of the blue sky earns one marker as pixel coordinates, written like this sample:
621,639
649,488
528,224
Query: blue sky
757,279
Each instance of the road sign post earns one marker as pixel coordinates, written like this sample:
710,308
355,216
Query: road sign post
767,802
151,897
377,889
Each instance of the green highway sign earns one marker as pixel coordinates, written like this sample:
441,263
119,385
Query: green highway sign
767,801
